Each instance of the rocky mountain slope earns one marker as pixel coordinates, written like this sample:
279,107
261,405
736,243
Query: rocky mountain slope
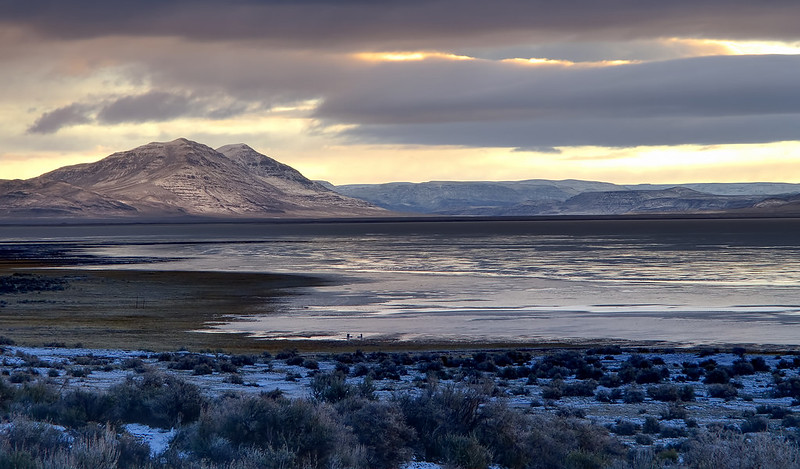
178,178
43,198
573,197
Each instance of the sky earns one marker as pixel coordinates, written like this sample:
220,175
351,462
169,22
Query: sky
359,91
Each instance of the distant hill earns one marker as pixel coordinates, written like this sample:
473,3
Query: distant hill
574,197
728,188
451,197
177,178
672,200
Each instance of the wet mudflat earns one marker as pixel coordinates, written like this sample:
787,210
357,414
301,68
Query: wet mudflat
155,310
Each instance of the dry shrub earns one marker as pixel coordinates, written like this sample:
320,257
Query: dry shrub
100,451
30,444
556,442
505,431
331,387
726,449
440,411
157,399
36,437
312,432
76,409
518,440
380,429
465,452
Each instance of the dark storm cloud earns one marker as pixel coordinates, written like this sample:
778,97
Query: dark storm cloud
611,132
702,100
153,106
326,23
447,91
252,74
51,122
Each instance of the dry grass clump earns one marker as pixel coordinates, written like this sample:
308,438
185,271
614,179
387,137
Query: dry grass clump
30,444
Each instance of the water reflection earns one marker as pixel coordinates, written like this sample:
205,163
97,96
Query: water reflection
607,259
691,281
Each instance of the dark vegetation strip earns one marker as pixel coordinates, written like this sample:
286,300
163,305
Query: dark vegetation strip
467,423
461,426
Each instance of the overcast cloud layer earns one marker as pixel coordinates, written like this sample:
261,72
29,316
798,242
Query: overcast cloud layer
618,74
322,23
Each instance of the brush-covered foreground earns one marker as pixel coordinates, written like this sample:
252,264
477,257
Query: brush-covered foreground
602,408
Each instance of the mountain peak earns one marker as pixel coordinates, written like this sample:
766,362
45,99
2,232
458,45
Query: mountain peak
174,144
265,167
235,147
181,141
181,177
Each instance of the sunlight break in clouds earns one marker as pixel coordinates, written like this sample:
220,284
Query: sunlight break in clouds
756,47
406,56
704,47
569,63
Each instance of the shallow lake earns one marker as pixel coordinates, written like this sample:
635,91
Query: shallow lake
684,281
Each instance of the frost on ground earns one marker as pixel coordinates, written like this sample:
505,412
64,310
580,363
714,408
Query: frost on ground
422,465
156,438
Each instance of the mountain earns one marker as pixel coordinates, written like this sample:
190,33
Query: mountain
183,178
178,178
675,199
788,205
728,188
574,197
269,170
450,197
43,198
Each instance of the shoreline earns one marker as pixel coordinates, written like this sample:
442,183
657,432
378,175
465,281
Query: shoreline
399,218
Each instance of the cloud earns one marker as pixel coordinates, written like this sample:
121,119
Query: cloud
736,98
636,50
483,103
601,131
152,106
551,150
160,61
53,121
323,24
441,91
